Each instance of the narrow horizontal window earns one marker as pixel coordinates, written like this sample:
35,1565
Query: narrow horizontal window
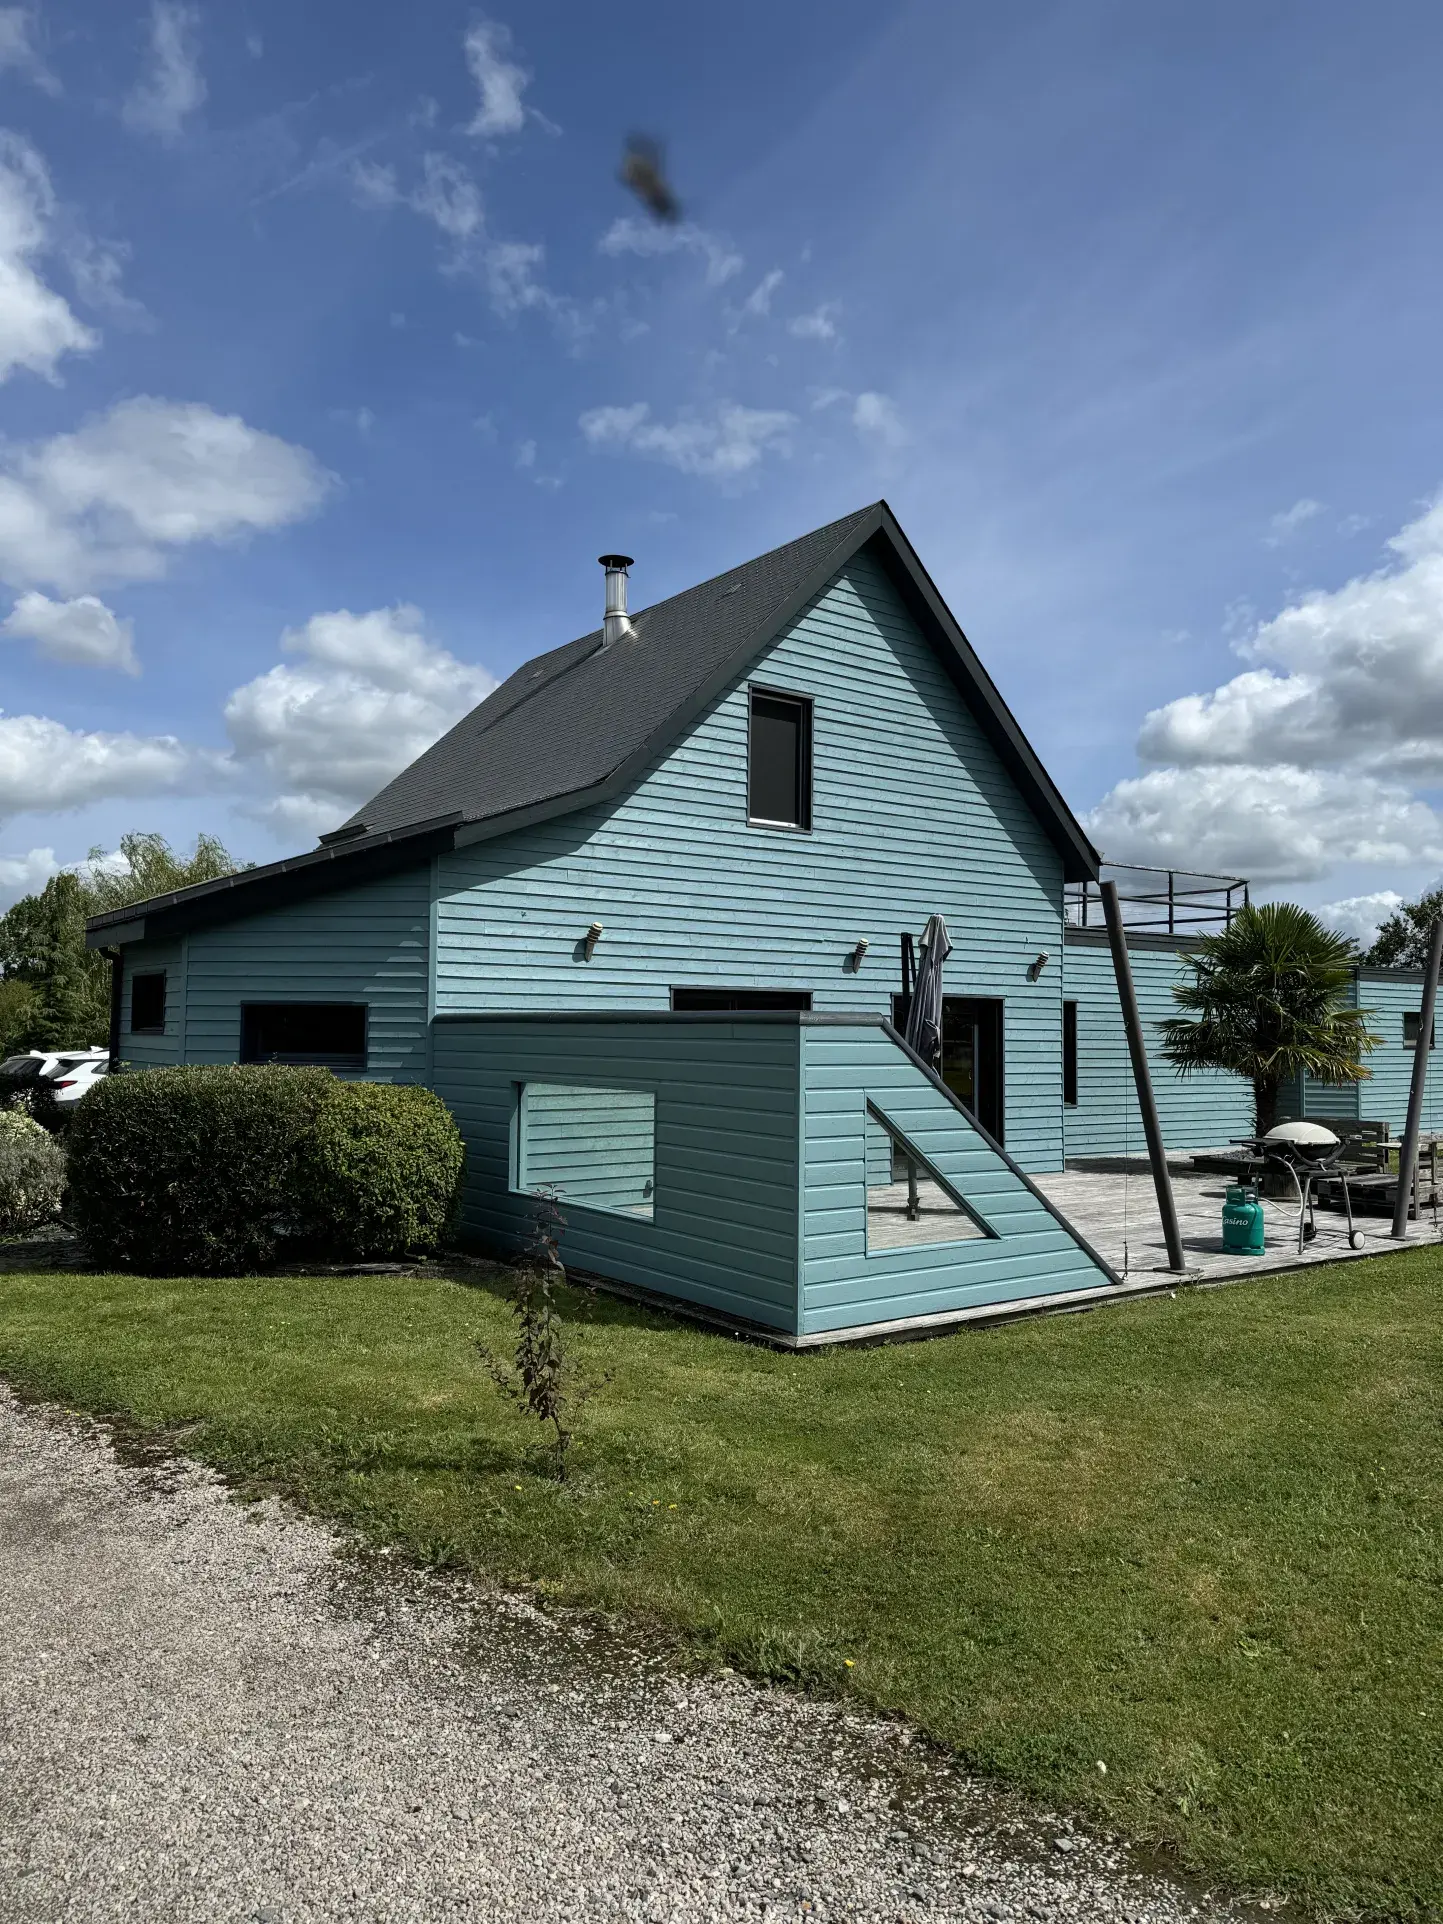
147,1002
739,1001
1069,1054
779,756
1412,1023
331,1035
589,1147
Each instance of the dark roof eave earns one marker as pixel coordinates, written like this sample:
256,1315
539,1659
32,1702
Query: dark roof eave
250,891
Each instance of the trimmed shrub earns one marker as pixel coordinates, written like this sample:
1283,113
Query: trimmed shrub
175,1171
216,1171
380,1171
32,1174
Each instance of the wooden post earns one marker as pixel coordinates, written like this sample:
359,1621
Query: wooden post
1137,1048
1408,1148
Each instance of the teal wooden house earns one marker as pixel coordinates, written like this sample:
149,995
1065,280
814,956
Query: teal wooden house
637,919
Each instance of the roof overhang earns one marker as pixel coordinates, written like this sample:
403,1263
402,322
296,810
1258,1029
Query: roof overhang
251,891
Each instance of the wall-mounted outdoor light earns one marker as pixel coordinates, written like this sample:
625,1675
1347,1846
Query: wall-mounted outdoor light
857,953
590,939
1034,969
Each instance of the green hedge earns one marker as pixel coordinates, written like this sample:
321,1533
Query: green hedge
221,1170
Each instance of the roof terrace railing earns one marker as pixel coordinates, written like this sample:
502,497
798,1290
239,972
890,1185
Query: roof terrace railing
1165,901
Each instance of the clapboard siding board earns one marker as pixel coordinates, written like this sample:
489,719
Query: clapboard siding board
366,945
913,813
846,1068
1201,1111
153,1051
724,1227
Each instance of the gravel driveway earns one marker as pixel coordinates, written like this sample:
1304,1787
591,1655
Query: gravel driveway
205,1713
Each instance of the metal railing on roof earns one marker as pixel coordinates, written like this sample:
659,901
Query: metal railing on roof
1166,901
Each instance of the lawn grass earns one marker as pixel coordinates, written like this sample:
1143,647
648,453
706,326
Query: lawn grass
1195,1539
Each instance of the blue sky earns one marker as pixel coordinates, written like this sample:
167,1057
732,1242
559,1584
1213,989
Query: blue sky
334,353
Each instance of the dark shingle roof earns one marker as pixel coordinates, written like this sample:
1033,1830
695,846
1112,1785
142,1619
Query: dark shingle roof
577,724
566,721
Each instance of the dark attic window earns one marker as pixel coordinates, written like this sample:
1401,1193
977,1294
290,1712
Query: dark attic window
331,1035
779,760
147,1003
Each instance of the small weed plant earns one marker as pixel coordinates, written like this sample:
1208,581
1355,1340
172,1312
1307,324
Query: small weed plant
541,1376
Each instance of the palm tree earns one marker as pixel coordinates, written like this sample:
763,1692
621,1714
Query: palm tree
1269,998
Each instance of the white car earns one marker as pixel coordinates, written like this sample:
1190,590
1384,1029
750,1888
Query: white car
75,1074
66,1074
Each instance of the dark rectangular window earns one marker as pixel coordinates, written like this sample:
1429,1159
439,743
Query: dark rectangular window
738,1001
147,1003
1069,1053
779,757
1412,1023
332,1034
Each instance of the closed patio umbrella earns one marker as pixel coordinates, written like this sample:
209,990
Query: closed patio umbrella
924,1021
924,1018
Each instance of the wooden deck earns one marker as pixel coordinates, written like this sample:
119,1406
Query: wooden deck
1116,1210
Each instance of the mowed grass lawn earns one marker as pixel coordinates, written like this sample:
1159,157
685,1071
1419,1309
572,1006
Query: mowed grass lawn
1198,1540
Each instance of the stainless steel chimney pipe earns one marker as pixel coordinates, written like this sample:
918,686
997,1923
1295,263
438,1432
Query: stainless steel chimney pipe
616,622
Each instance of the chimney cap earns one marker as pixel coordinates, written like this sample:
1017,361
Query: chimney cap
610,561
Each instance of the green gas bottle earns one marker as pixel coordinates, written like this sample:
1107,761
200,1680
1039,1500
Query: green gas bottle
1243,1219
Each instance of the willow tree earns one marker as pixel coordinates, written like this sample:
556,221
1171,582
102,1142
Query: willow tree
54,992
1270,1000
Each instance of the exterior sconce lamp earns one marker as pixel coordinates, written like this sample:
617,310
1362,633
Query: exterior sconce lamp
857,953
590,939
1034,969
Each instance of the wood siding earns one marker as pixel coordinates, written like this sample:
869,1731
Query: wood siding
366,945
724,1226
153,1051
587,1145
912,813
843,1287
1384,1096
1202,1111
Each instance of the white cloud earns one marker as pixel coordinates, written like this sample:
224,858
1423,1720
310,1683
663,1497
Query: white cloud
451,200
819,325
106,502
449,197
630,235
374,184
37,325
1361,916
758,303
45,766
446,196
84,631
511,277
733,440
25,874
1273,824
526,454
1355,677
1307,758
1284,526
368,694
876,416
500,82
18,51
514,287
174,87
